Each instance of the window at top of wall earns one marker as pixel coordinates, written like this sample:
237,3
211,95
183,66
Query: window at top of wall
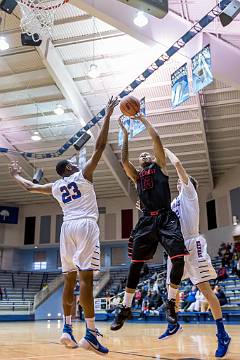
40,265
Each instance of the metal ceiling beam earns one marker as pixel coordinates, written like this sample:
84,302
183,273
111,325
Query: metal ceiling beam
27,168
54,64
16,51
87,38
218,103
223,117
201,118
183,153
72,19
225,149
58,138
164,32
146,138
225,129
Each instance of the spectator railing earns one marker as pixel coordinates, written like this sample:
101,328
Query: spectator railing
43,294
101,283
16,306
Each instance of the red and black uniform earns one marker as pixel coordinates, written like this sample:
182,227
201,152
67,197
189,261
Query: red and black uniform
158,223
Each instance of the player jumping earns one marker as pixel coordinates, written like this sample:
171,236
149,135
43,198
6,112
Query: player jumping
79,239
198,266
158,224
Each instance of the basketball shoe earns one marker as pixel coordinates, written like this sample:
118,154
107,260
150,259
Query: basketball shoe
172,329
67,337
122,313
171,314
90,342
223,345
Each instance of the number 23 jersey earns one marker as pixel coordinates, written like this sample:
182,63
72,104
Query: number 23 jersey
76,197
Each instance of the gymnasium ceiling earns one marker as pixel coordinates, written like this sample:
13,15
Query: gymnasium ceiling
204,132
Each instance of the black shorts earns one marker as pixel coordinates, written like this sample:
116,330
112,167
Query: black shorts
150,230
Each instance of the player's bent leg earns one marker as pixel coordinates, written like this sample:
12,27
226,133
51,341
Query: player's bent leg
223,338
123,312
175,279
89,341
67,337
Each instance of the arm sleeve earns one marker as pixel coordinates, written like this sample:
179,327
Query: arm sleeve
188,190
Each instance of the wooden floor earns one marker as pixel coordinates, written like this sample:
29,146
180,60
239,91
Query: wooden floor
39,341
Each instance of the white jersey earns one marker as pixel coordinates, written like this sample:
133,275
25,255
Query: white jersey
76,197
186,206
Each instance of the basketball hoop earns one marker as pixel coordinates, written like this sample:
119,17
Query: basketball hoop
38,16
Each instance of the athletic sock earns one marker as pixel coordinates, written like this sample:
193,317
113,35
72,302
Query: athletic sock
90,323
220,327
128,298
172,293
67,319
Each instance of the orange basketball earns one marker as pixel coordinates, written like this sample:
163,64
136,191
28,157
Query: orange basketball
130,106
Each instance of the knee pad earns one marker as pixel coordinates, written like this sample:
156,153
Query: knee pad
134,274
177,270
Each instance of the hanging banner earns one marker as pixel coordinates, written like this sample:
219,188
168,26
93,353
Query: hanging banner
82,160
126,123
133,126
137,126
202,69
160,61
180,86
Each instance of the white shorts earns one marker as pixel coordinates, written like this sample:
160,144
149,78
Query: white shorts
198,266
79,245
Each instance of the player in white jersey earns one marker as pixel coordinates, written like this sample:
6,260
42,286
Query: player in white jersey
198,266
79,239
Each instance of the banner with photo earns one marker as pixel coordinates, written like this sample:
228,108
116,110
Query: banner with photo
82,158
202,69
137,126
134,127
180,86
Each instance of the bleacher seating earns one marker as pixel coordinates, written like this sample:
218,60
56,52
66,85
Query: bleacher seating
19,288
231,288
115,285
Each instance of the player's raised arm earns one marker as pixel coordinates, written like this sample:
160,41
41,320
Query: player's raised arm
182,174
127,165
157,144
101,141
15,171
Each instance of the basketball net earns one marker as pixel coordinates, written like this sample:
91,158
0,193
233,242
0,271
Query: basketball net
38,16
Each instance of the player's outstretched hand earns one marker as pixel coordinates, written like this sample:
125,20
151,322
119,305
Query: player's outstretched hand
138,205
14,168
138,116
120,122
113,102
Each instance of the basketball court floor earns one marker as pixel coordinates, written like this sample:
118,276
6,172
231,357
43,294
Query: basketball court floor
39,340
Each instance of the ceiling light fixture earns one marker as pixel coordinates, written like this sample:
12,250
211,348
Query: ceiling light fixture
93,72
59,110
36,136
4,45
140,19
235,220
